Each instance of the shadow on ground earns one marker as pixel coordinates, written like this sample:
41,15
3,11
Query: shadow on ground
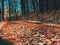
5,42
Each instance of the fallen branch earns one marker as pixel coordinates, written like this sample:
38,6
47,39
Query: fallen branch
48,24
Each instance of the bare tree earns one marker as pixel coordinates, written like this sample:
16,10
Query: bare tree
15,9
2,9
41,5
33,3
27,9
9,8
23,7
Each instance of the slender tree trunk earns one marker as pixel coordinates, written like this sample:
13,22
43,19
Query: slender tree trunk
15,5
2,9
23,7
47,5
27,9
0,13
33,3
41,5
51,6
9,7
37,9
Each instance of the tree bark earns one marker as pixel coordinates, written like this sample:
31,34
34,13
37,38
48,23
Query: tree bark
2,9
23,7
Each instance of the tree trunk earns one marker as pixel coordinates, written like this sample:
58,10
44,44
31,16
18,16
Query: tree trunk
27,9
2,9
9,8
33,3
15,5
41,6
23,7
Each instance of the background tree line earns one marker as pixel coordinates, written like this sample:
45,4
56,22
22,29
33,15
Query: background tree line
27,7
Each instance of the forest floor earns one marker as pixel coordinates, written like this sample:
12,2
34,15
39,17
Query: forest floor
30,32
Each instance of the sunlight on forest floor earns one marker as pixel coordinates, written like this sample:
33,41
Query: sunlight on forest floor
30,33
2,24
